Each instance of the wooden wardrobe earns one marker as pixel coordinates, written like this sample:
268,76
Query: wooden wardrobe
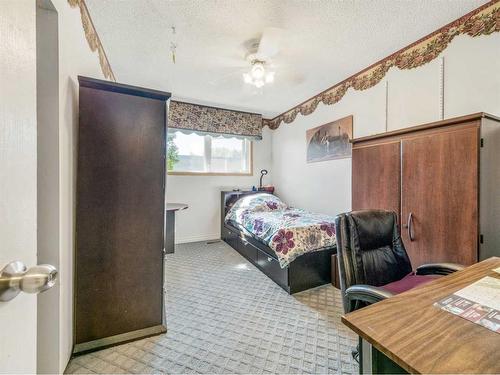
120,208
443,180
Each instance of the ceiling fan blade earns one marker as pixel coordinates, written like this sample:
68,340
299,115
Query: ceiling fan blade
229,78
294,78
288,74
228,62
270,43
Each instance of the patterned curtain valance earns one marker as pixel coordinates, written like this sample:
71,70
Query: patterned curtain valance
199,118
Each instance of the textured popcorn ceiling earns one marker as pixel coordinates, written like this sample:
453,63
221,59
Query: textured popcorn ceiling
325,42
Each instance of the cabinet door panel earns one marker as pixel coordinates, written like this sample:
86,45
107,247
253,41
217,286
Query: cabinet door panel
376,177
440,190
119,214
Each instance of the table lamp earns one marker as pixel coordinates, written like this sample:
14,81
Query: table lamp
262,174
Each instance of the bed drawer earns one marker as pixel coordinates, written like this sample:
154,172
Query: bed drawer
247,250
243,247
272,268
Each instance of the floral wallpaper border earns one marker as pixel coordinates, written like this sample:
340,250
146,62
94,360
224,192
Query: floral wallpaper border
93,38
484,20
194,117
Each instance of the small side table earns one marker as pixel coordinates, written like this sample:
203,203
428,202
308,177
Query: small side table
170,225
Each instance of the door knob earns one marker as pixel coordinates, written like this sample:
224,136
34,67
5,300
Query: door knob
16,278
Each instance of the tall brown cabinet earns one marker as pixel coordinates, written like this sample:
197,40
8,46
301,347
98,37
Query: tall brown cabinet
443,180
119,214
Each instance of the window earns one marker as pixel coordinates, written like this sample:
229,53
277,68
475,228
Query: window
207,154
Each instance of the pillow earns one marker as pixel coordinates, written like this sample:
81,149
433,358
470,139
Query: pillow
261,202
255,203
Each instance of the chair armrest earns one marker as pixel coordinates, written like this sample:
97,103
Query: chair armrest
367,293
438,268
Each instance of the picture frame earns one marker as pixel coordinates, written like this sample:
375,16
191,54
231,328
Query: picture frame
330,141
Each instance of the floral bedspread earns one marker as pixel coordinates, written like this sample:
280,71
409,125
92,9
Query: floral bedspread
289,231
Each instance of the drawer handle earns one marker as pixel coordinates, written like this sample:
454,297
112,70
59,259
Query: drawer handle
269,259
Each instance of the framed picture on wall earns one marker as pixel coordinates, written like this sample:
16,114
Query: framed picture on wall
330,141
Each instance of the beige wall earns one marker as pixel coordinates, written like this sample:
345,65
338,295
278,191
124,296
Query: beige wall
471,84
202,193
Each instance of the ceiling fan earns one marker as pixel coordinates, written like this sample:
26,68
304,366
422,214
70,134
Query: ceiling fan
260,54
257,62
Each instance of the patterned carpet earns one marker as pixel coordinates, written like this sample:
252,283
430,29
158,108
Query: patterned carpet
225,316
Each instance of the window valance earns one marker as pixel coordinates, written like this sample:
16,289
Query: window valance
212,120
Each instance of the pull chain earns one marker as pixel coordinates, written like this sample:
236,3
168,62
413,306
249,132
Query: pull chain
173,45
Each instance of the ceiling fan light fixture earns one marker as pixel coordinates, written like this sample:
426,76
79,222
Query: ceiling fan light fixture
247,78
258,76
258,70
270,77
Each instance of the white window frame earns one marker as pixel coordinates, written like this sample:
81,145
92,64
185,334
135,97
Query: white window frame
208,158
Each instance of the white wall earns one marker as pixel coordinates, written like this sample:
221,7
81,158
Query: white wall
471,84
47,80
201,221
18,166
75,58
18,177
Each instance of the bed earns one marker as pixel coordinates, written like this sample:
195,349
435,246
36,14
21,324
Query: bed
291,246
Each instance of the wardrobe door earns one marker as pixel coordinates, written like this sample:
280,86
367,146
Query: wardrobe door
376,177
439,209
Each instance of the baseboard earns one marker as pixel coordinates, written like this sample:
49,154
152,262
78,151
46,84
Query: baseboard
199,238
106,342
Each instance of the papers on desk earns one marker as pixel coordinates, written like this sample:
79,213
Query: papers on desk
478,303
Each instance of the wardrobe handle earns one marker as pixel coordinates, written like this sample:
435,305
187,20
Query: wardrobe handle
410,226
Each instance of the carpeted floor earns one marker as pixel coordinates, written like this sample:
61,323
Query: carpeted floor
225,316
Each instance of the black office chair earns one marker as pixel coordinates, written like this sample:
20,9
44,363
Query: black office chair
373,263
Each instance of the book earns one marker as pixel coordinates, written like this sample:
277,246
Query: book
479,303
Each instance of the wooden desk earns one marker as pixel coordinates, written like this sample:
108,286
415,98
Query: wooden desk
421,338
171,209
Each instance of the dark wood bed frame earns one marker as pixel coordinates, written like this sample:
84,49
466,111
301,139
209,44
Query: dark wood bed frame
307,271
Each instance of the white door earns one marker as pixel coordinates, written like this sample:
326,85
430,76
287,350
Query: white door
18,179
